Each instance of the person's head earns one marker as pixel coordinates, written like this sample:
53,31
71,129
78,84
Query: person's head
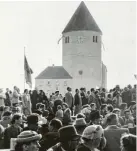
117,111
117,87
59,107
69,138
80,124
93,137
67,113
128,142
109,108
45,113
64,106
15,88
44,129
88,92
95,117
109,96
38,106
69,89
110,90
42,107
80,115
112,119
77,90
57,93
93,106
103,107
32,119
92,90
16,119
123,106
26,91
129,86
55,125
7,89
28,141
103,89
127,113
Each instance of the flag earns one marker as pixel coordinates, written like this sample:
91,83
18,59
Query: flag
28,72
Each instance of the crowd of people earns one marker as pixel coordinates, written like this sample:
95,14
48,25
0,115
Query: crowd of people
94,120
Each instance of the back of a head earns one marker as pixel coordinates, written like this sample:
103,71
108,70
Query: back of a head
15,117
32,119
123,106
103,106
80,115
128,142
110,108
56,123
112,119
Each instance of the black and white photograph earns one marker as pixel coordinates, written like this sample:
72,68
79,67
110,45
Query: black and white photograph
68,75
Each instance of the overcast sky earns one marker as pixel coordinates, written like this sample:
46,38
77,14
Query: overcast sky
38,26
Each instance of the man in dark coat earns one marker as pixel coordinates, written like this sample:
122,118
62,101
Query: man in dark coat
113,133
52,137
68,139
35,99
77,102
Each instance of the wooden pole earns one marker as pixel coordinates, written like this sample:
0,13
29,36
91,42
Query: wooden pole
24,68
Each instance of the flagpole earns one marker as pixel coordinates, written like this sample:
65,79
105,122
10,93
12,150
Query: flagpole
24,69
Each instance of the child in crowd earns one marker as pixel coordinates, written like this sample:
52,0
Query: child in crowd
59,113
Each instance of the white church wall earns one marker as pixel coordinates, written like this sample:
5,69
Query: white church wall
51,85
83,54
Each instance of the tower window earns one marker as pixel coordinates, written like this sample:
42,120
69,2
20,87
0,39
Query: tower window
67,39
95,39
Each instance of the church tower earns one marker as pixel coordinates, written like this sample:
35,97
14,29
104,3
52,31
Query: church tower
81,45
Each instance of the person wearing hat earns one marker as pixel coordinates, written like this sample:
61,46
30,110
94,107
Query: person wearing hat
13,130
68,139
80,124
95,118
28,141
52,137
93,139
32,121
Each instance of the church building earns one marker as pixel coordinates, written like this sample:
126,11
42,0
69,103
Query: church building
81,56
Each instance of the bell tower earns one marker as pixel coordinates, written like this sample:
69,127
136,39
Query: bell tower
81,45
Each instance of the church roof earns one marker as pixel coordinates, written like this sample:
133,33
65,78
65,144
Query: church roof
54,72
82,20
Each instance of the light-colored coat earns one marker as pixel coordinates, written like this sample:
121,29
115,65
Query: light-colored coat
15,97
69,99
26,104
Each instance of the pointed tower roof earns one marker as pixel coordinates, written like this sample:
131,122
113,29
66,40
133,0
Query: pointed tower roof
82,20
